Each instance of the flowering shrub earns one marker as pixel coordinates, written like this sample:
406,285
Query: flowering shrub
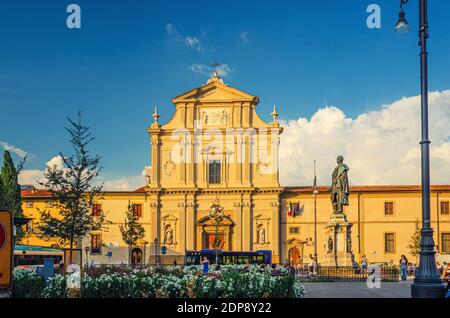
178,282
26,284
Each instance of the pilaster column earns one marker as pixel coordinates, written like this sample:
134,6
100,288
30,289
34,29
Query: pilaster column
276,226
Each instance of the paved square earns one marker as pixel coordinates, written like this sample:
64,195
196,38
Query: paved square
357,290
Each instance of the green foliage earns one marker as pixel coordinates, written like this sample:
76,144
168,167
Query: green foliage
177,282
132,230
414,241
73,188
10,193
56,287
26,284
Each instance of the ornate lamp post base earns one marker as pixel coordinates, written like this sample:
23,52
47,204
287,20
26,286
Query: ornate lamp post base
428,282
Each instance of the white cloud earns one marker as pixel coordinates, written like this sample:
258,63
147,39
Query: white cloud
11,148
33,177
126,183
56,162
243,37
223,69
189,41
380,147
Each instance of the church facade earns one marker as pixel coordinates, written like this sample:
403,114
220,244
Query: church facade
217,156
215,150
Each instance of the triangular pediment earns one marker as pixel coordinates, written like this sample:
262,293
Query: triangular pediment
214,92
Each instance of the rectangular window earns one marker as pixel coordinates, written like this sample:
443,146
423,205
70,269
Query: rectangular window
445,242
294,230
96,209
389,242
96,244
214,172
137,210
445,209
388,208
30,204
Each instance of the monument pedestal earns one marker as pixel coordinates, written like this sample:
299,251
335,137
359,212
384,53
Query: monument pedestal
339,251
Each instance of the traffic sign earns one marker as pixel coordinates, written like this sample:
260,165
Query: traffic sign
87,249
163,250
6,249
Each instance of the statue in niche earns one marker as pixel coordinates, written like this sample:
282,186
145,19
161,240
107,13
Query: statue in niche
168,234
261,232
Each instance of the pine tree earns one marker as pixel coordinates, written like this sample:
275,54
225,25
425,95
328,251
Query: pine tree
132,230
10,194
414,241
73,188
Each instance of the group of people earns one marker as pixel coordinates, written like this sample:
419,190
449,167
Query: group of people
444,270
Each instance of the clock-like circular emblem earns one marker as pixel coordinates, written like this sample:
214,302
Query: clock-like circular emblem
2,236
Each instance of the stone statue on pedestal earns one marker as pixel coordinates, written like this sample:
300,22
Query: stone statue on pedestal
338,229
339,186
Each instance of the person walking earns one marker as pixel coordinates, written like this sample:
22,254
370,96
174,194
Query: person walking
205,264
311,264
403,268
364,263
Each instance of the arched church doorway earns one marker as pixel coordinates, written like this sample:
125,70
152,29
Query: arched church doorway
136,256
294,256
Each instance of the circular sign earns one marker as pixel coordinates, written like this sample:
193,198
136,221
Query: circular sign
163,249
87,248
2,236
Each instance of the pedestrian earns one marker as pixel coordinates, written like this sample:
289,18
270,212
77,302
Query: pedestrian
174,262
247,267
364,263
92,266
61,267
205,264
403,263
311,263
445,272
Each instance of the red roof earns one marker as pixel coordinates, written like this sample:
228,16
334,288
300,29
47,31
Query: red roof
44,193
35,193
370,188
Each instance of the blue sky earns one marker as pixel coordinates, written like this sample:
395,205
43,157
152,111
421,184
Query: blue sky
301,55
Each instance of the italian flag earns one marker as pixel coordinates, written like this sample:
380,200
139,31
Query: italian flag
289,212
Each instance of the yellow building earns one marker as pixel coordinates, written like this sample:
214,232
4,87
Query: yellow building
216,152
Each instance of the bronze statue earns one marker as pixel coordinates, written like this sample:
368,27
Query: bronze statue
339,187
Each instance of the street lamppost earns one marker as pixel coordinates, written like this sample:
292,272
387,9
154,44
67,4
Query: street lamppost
315,192
427,283
156,250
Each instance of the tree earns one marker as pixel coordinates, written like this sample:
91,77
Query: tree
414,241
10,193
73,188
132,230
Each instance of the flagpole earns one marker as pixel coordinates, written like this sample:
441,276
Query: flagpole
315,219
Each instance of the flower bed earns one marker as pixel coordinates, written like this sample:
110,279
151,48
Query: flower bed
175,282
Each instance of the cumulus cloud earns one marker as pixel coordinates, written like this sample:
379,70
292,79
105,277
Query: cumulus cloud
125,183
11,148
189,41
129,183
33,177
381,146
222,70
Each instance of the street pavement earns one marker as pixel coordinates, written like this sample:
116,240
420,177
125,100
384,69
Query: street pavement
357,290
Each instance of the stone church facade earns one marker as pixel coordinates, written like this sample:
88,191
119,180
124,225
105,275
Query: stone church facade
215,149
